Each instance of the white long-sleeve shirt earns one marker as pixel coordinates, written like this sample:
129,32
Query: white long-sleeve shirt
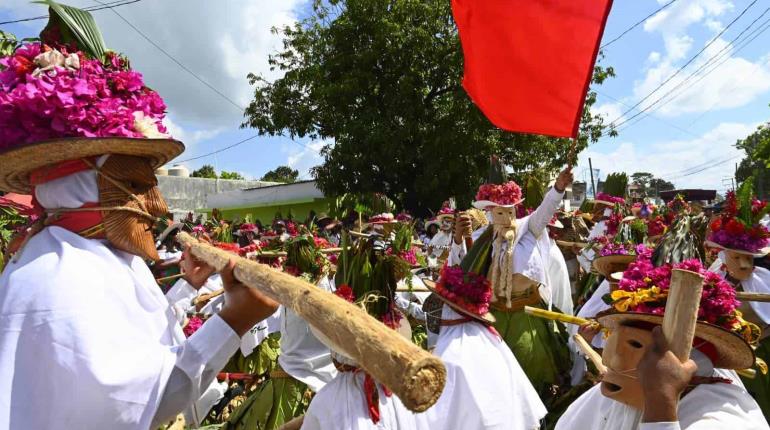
87,340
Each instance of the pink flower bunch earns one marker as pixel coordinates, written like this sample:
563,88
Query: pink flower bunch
730,231
291,228
655,226
610,198
320,242
614,249
193,324
199,229
446,210
391,318
383,217
93,100
521,211
248,227
506,194
718,302
613,222
403,217
468,290
409,256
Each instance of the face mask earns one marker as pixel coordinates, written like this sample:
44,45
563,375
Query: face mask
446,224
622,353
739,266
127,184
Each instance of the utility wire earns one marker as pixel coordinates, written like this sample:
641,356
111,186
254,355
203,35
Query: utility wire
679,70
178,63
637,24
108,5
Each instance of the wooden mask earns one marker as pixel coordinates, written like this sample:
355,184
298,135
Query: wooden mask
740,266
622,353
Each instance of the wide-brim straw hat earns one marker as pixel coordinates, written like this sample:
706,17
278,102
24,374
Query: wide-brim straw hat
17,162
486,318
570,244
609,264
733,352
761,253
441,217
485,204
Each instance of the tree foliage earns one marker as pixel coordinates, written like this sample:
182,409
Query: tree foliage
206,171
283,174
649,185
757,160
381,79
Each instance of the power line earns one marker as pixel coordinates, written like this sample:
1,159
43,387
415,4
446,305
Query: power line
178,63
637,24
653,117
219,150
679,70
107,5
721,55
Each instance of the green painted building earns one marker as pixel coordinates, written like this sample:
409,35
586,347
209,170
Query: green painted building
263,203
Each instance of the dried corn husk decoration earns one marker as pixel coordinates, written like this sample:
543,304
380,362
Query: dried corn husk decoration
414,375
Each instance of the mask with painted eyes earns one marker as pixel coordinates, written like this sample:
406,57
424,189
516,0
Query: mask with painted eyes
504,217
447,224
740,266
622,353
129,182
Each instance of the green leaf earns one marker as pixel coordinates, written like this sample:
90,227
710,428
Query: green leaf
74,25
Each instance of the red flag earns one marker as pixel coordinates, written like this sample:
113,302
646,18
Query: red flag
528,63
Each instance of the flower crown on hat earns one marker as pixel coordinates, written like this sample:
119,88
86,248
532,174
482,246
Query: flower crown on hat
738,226
644,289
610,198
505,194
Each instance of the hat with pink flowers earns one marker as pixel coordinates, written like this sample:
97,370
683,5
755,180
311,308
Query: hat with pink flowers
67,98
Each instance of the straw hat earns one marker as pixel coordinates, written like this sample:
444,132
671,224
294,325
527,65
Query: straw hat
609,264
733,352
486,318
17,162
762,252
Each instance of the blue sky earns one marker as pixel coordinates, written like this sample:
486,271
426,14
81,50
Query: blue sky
688,139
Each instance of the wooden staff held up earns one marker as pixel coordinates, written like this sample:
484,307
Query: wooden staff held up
681,315
414,375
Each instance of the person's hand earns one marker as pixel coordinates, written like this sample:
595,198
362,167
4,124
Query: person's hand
196,272
663,379
244,307
462,228
589,331
564,180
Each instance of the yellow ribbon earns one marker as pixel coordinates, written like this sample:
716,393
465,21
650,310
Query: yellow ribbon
622,300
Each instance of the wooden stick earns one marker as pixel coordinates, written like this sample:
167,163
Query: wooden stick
414,375
168,278
752,297
591,353
205,297
555,316
681,315
275,254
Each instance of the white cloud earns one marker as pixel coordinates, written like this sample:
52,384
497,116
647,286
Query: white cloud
304,158
186,136
707,90
609,111
674,158
221,41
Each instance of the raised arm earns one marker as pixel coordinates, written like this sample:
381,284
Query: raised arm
543,214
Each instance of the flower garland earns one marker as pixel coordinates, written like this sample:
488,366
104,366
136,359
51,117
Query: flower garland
52,92
610,198
468,290
506,194
644,289
738,227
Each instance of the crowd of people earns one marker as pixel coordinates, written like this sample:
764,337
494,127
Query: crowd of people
540,317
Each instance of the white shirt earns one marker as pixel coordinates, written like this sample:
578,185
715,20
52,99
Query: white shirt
440,243
716,406
303,356
485,388
88,341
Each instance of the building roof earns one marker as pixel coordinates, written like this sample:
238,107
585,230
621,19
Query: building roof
272,195
689,195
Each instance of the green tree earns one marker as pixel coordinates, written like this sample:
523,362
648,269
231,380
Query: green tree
230,175
381,78
206,171
757,160
657,185
283,174
649,185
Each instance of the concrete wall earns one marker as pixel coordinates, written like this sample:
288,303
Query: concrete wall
185,195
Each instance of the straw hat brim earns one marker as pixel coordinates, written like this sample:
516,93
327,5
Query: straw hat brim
175,226
440,217
604,265
733,352
17,163
487,318
604,202
568,244
485,204
762,252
